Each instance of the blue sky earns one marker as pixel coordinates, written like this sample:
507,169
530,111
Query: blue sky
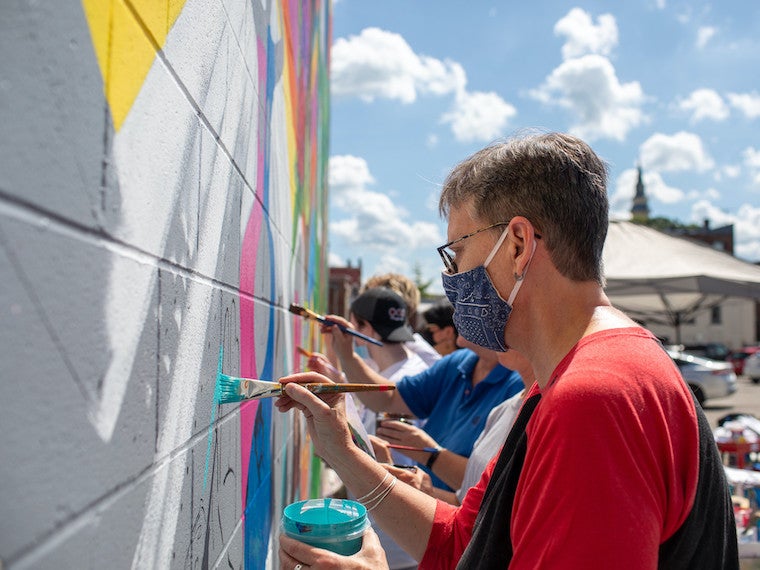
419,85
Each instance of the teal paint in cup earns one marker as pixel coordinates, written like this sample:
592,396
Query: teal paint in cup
334,524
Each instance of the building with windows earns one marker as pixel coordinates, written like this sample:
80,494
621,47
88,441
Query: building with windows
344,286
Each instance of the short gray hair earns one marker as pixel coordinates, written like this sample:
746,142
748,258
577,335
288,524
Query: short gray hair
554,180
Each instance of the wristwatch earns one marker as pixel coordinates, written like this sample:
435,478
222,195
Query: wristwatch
433,456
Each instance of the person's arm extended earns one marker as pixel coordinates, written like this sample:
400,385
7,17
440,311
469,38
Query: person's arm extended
357,371
418,479
448,466
406,514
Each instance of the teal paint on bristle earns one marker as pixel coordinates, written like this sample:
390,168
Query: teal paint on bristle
228,389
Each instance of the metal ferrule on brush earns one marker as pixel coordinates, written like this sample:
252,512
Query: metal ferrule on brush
252,389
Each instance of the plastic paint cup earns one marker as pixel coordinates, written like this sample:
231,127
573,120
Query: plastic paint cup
334,524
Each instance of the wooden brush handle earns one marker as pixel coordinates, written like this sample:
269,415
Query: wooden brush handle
320,388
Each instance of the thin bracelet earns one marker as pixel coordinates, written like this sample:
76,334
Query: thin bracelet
377,499
373,491
382,496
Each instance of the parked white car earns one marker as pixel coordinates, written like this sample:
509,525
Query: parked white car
752,367
706,378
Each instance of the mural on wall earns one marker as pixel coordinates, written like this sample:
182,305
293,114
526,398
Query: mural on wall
162,202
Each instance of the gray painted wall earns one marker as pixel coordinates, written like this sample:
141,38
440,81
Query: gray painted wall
141,235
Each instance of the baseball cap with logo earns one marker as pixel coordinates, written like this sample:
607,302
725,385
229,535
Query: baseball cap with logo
385,311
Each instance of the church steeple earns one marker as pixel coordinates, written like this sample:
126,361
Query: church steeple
640,208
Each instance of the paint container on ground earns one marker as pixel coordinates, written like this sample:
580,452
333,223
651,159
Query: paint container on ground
333,524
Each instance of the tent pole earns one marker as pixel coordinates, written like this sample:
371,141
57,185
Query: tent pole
677,325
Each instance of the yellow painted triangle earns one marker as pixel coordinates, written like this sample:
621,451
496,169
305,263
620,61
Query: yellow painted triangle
126,35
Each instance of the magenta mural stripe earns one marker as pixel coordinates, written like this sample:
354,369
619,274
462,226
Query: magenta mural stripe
248,367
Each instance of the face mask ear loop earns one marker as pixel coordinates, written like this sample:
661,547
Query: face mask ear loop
496,247
519,278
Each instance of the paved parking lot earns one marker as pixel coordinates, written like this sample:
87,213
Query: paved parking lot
746,399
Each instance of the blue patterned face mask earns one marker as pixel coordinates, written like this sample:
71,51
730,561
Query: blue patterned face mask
480,314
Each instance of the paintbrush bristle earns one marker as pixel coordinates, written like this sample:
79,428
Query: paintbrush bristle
297,310
227,389
304,312
230,389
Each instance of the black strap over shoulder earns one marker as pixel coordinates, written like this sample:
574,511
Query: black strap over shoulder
706,540
491,543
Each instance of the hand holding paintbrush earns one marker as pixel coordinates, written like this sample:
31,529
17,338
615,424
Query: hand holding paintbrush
307,314
230,389
321,364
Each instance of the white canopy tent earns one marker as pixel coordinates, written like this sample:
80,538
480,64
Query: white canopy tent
664,279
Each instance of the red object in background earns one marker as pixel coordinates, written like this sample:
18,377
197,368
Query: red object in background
742,517
739,450
737,358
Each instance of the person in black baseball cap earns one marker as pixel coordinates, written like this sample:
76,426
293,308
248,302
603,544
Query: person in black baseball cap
385,312
381,313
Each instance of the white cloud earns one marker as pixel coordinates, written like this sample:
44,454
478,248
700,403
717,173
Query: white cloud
728,171
347,174
681,151
625,190
704,35
389,263
747,103
583,37
704,104
746,226
752,162
381,64
432,200
751,157
431,141
372,219
334,260
478,116
705,210
660,4
712,194
589,87
655,188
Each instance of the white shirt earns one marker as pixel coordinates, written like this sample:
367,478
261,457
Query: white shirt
397,557
490,441
422,348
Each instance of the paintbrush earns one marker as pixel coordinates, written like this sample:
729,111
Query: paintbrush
327,365
410,448
230,389
307,314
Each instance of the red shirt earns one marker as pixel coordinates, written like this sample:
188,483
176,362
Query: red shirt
611,466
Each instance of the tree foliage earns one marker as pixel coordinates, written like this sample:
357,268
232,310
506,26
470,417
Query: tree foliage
422,284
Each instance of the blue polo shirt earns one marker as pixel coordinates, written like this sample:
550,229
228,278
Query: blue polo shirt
456,412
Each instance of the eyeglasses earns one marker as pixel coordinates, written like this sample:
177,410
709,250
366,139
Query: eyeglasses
448,260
